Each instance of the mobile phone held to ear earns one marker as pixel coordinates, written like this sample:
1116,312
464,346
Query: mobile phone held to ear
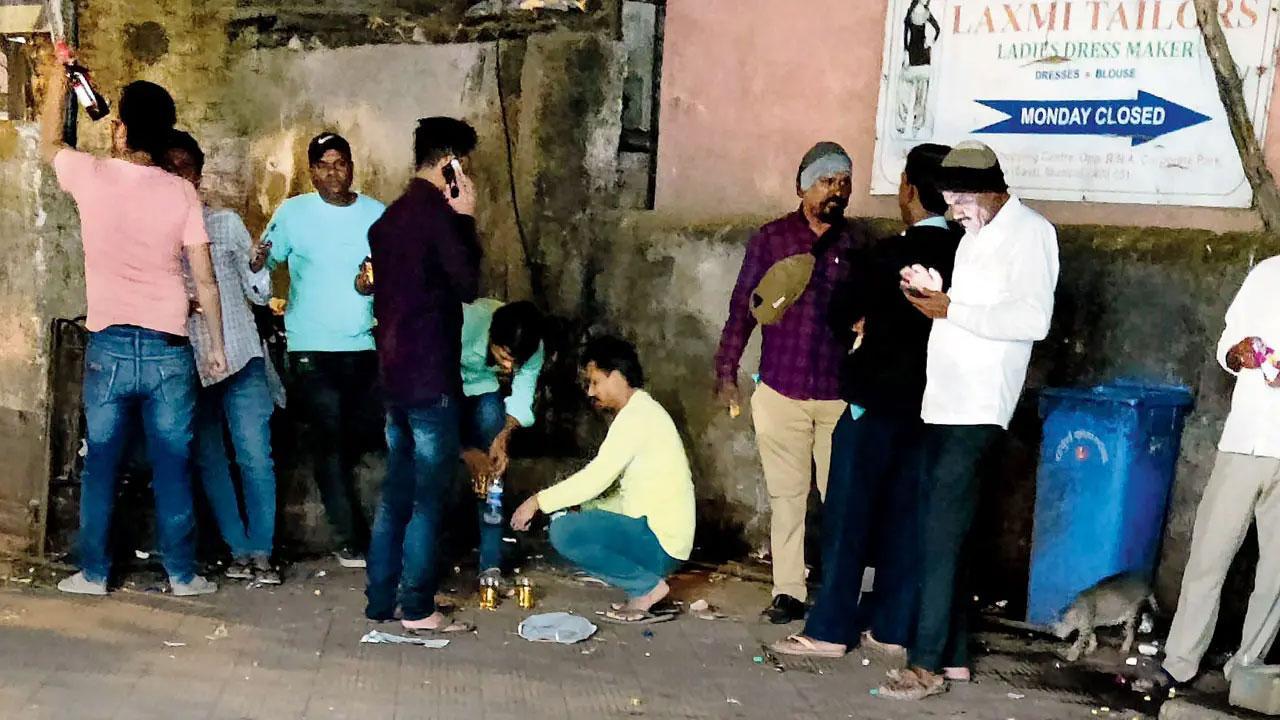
451,177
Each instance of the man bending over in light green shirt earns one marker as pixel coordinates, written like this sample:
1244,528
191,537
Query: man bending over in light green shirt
635,536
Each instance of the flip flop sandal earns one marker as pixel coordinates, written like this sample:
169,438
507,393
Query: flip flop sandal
801,646
636,617
452,628
662,608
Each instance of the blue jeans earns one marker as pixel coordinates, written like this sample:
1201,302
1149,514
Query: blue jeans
484,416
870,514
130,370
619,550
422,454
243,403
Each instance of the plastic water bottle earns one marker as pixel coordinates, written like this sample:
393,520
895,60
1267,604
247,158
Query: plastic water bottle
493,503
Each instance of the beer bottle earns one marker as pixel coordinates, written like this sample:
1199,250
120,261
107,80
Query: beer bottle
89,98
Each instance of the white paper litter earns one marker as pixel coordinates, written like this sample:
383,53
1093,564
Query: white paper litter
1147,625
219,633
1131,661
1016,696
377,637
1148,649
174,644
557,627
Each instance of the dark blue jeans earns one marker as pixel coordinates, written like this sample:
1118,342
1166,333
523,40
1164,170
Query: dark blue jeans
128,371
243,403
618,549
336,390
952,456
484,416
422,454
869,517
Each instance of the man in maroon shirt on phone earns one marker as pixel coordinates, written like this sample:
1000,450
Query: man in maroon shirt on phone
428,264
797,402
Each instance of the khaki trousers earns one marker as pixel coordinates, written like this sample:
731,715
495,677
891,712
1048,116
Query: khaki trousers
1242,488
794,438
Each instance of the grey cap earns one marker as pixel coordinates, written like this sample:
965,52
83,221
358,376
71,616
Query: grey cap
972,167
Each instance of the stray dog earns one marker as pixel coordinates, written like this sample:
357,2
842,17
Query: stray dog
1117,600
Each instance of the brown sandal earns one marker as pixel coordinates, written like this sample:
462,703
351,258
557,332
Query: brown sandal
908,685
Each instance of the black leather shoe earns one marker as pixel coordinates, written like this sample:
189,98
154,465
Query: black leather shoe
783,610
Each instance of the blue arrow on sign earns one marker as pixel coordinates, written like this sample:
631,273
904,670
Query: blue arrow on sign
1142,120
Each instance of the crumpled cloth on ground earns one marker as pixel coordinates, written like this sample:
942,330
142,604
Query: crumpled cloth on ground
558,627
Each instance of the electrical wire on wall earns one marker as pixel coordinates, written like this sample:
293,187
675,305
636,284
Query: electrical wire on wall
535,276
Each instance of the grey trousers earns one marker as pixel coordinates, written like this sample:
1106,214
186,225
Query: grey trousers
1242,489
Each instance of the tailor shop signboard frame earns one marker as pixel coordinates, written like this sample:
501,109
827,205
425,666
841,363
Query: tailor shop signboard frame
1089,100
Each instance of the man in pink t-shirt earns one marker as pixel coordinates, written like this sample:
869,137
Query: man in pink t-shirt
136,223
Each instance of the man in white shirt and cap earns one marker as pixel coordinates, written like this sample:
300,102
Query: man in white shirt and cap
1243,488
1000,303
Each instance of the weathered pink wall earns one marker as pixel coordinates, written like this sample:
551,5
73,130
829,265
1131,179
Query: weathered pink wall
749,85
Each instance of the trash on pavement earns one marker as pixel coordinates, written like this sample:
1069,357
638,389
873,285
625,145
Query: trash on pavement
377,637
704,610
174,644
1016,696
219,633
1148,624
558,627
1131,661
1148,649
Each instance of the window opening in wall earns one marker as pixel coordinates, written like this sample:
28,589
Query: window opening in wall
642,30
17,98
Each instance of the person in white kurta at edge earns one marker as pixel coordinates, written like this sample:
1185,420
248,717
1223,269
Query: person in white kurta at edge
1000,303
1243,488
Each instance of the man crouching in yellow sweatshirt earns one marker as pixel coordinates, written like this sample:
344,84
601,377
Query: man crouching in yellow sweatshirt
634,535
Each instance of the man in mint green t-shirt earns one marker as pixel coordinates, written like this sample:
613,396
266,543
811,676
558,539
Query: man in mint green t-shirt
500,343
329,326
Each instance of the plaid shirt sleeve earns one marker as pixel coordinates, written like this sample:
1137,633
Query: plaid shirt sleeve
234,240
738,328
229,246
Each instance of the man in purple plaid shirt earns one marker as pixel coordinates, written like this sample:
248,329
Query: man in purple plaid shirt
797,402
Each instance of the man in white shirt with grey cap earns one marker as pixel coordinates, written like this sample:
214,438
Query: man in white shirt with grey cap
1000,303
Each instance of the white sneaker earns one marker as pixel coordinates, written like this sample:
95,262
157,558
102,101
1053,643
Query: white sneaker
349,558
78,584
197,586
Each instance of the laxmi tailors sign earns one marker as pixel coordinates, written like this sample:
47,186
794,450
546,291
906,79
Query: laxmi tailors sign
1091,100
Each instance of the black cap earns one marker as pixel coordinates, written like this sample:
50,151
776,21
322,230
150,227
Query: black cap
323,143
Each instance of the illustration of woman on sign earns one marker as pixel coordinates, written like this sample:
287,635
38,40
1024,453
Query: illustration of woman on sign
913,88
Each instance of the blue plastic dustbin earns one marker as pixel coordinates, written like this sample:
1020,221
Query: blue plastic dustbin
1106,466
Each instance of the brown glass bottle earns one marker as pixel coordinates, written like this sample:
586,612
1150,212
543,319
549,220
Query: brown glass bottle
95,106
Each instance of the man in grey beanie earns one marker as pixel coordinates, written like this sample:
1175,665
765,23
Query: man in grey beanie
797,402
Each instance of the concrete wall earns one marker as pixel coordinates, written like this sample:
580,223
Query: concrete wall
801,74
41,274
